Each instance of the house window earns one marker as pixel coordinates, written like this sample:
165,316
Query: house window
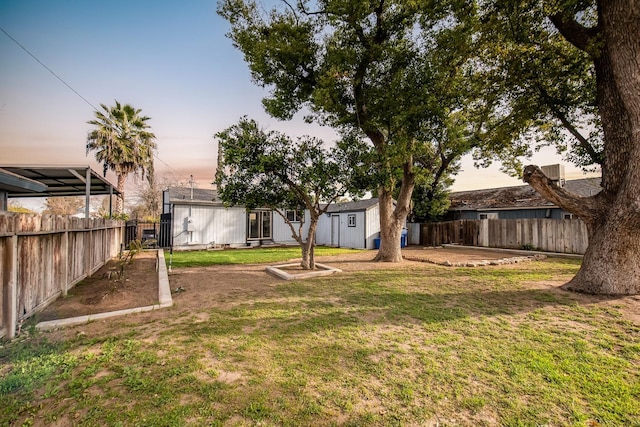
351,220
259,225
293,216
567,216
492,215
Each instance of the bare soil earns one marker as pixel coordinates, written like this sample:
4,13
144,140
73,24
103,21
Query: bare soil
218,286
108,290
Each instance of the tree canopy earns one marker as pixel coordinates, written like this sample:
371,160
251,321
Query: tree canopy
397,73
260,169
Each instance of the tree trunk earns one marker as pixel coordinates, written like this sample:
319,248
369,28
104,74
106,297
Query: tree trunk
610,264
308,246
392,220
122,178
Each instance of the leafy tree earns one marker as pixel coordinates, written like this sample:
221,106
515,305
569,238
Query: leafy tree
270,170
65,205
122,141
394,72
573,65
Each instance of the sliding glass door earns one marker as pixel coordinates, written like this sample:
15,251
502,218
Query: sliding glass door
259,225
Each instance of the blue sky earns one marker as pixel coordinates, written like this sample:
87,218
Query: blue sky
171,59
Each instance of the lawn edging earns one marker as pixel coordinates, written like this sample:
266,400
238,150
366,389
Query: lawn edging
325,270
515,251
164,300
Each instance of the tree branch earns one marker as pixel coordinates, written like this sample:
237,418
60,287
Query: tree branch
584,207
595,157
575,33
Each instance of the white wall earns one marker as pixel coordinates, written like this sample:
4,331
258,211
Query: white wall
281,231
352,237
210,224
373,226
323,231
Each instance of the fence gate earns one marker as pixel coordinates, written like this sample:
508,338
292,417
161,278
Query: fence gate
150,234
164,239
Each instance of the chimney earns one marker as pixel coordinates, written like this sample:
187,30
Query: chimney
555,173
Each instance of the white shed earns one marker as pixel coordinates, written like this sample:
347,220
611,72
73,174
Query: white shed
350,225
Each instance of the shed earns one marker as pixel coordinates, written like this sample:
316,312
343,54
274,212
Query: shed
350,224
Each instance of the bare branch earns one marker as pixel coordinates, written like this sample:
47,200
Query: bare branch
583,207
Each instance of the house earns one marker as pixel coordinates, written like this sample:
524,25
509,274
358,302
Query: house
350,225
199,218
516,202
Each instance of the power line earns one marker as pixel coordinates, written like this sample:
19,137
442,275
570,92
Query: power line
72,89
48,69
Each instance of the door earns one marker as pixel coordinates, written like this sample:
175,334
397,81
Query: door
259,225
335,230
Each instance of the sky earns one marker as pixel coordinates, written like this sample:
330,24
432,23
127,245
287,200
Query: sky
171,59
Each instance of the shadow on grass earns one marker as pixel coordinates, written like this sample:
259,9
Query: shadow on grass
379,306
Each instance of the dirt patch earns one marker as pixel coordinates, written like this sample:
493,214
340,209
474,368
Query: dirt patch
108,290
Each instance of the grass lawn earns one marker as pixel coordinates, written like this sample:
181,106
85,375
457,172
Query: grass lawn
247,256
423,345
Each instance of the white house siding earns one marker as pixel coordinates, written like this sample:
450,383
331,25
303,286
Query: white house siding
373,226
210,224
352,237
323,230
281,231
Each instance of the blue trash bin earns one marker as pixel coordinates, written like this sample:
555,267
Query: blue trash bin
376,242
403,239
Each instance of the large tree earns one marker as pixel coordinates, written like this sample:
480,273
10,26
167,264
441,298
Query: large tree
574,65
393,72
123,142
260,169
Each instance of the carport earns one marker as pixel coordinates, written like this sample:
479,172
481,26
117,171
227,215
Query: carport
52,181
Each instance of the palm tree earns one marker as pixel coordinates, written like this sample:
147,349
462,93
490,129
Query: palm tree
123,142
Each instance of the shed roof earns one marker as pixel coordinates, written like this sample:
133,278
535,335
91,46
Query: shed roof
517,197
359,205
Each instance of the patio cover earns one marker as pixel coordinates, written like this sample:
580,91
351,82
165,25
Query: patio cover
52,181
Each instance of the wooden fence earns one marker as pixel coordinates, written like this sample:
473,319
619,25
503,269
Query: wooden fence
43,256
551,235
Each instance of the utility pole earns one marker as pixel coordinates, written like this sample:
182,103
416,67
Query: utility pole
191,182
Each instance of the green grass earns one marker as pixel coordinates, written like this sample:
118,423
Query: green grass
181,259
426,345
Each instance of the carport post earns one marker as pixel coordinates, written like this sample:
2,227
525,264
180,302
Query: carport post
87,191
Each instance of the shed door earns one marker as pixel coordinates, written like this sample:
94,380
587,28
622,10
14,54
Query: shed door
335,230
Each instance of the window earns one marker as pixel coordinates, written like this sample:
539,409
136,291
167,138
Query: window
351,220
292,216
491,215
259,225
567,216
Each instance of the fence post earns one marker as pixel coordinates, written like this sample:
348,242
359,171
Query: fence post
65,259
11,299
